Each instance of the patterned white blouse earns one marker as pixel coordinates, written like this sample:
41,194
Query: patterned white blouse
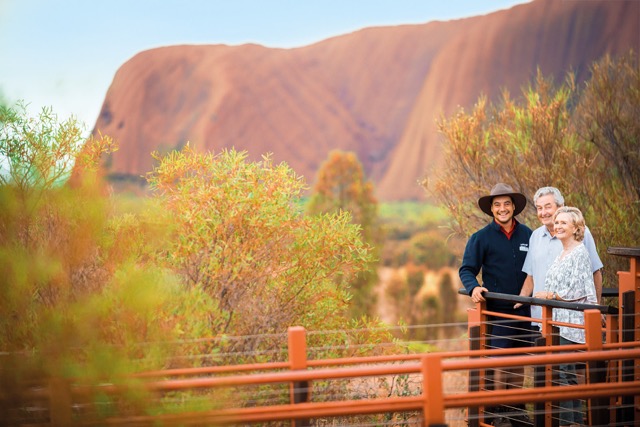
571,278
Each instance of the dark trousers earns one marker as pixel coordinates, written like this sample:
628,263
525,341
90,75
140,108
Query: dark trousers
570,410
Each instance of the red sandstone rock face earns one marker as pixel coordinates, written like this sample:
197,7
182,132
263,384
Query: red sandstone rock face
377,91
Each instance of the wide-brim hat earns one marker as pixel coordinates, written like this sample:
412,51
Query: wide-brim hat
502,189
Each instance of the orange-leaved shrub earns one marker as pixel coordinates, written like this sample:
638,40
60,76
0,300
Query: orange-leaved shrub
240,235
82,300
341,186
580,138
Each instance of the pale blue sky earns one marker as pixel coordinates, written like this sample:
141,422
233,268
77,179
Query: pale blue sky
65,53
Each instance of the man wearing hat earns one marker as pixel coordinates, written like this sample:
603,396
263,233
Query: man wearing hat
499,250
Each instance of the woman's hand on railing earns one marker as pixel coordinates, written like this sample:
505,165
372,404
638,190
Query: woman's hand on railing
545,295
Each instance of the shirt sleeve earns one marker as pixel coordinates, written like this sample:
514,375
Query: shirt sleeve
526,267
586,279
590,244
471,264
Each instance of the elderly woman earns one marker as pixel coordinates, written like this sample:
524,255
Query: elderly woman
570,279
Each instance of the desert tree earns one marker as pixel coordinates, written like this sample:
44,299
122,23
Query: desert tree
341,186
606,122
240,234
581,138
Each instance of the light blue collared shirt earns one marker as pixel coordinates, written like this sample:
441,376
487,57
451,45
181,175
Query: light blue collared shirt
543,250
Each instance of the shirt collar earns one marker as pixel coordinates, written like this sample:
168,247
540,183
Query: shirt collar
547,232
513,228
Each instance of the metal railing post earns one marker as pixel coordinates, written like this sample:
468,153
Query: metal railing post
473,412
552,374
596,370
433,407
613,366
299,391
551,338
539,375
477,333
629,299
59,402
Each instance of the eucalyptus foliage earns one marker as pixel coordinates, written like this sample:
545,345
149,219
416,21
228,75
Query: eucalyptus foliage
580,138
81,299
240,235
341,186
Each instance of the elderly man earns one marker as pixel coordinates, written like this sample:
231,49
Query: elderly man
544,247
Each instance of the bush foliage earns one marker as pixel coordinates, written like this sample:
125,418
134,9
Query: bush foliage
580,138
90,294
239,234
341,187
77,301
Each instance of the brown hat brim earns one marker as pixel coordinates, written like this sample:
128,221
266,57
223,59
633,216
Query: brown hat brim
519,200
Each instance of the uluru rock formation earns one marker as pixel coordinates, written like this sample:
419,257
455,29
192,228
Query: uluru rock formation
377,91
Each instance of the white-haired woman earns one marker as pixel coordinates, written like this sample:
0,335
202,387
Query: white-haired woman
570,279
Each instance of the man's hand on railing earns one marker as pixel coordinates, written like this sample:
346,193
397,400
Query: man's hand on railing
476,294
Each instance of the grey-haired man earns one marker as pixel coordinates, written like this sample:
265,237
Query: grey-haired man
544,247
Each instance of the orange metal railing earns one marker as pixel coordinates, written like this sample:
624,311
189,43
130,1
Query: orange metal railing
432,402
612,385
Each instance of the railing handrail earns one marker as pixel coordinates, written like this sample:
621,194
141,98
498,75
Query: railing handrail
629,252
604,309
551,356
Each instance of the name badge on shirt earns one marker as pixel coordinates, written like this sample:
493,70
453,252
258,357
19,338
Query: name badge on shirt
524,247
